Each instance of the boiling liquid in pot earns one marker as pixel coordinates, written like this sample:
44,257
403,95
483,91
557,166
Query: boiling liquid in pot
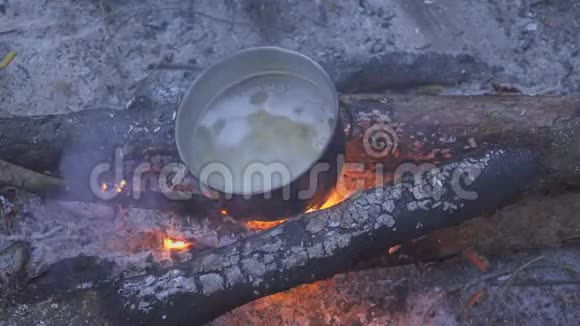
273,118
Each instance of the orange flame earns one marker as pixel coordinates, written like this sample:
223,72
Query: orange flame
121,185
394,249
342,192
335,198
173,244
118,187
263,225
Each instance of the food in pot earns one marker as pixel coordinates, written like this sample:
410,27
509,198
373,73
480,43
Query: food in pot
264,119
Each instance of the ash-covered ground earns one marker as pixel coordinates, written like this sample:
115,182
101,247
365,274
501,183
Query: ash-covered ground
77,55
74,55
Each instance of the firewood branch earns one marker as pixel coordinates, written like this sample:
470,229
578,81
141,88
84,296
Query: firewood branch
538,140
311,247
72,145
19,177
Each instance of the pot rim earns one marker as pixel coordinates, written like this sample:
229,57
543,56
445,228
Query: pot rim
330,85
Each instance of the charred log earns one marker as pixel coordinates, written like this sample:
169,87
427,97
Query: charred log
537,143
426,128
308,248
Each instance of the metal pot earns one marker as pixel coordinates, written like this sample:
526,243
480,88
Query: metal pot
263,130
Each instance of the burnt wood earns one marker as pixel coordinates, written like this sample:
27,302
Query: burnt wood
527,142
311,247
72,145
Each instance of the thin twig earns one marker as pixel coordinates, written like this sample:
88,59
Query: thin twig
517,271
516,309
509,282
460,288
10,31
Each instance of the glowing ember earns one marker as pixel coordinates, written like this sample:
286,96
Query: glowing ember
394,249
347,185
298,294
341,193
121,185
118,187
335,198
263,225
223,212
172,244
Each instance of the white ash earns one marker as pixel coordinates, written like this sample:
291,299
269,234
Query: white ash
333,242
384,219
233,276
472,142
428,188
272,247
448,139
316,225
254,266
58,230
388,205
424,204
449,207
161,287
316,251
85,285
211,283
372,116
269,258
54,233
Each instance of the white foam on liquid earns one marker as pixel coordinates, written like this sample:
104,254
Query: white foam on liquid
264,119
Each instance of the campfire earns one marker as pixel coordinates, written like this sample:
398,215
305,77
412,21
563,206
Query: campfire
343,190
162,257
444,203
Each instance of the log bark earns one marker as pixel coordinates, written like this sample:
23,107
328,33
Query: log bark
427,129
311,247
19,177
539,149
41,142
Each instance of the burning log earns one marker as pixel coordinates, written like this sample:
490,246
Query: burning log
425,129
314,246
536,142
